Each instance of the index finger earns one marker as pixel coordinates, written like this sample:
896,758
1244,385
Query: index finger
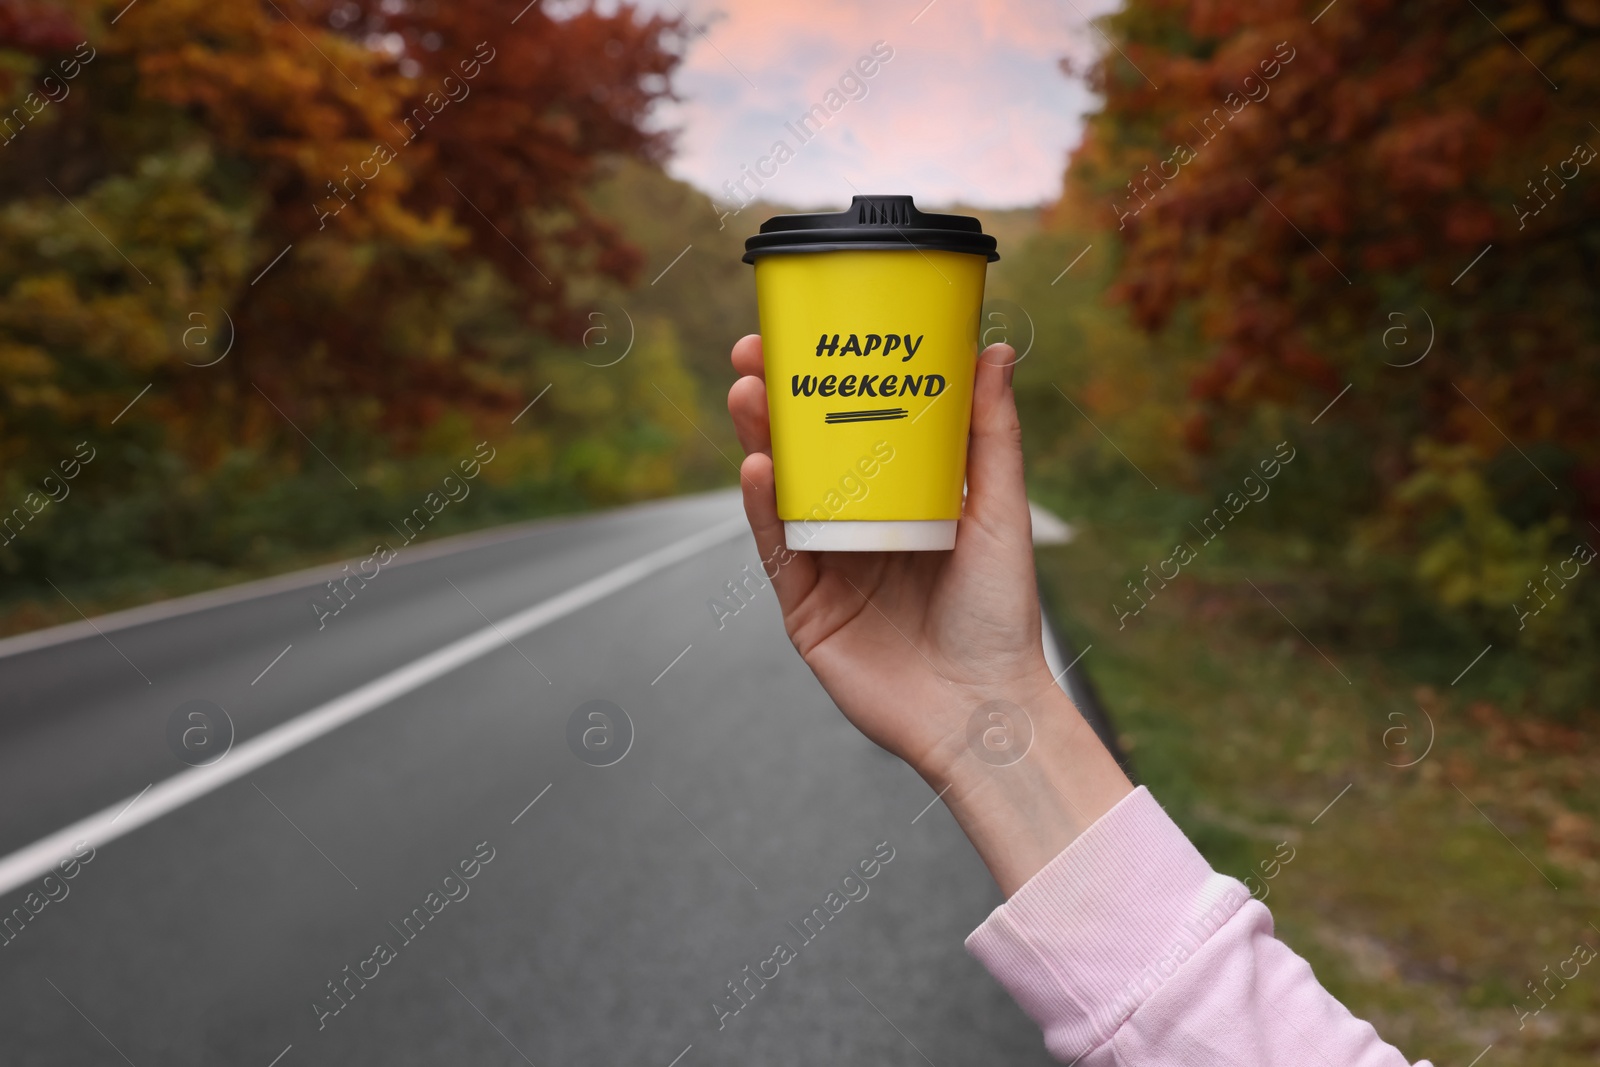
747,357
793,574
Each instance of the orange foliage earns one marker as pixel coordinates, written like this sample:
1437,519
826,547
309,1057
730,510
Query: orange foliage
422,163
1359,178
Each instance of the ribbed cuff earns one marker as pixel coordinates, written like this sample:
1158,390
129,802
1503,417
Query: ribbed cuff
1091,936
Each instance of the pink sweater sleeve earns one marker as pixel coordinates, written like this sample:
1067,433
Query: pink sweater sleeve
1128,949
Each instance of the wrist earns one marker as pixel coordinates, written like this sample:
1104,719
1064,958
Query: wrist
1023,778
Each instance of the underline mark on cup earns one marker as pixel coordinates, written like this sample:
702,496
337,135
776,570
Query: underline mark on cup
833,418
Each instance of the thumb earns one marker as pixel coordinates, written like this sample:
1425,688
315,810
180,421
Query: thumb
997,497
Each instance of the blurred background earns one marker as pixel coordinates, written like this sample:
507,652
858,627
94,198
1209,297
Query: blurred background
1281,275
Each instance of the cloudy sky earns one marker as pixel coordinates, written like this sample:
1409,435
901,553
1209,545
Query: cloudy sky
972,106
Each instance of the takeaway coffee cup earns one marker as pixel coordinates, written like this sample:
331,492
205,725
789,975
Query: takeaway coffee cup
869,324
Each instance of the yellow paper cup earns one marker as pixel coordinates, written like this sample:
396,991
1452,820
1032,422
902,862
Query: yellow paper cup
869,325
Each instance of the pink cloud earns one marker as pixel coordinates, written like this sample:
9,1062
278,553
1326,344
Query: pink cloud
971,106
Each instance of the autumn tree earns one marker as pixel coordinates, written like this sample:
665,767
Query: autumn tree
1308,197
378,212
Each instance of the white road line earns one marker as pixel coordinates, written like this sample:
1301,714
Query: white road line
315,576
132,802
34,860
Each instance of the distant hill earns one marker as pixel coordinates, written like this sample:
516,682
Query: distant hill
708,295
692,281
1011,226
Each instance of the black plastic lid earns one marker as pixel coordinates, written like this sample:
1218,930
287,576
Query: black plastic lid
887,223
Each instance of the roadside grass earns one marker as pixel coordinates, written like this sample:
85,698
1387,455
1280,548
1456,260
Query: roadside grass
24,608
1423,896
36,609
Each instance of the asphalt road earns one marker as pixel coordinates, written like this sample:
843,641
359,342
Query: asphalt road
221,901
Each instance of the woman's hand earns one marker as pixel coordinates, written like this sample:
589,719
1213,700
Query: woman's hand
908,644
917,647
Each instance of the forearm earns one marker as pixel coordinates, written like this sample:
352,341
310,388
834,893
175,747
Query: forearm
1020,815
1117,936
